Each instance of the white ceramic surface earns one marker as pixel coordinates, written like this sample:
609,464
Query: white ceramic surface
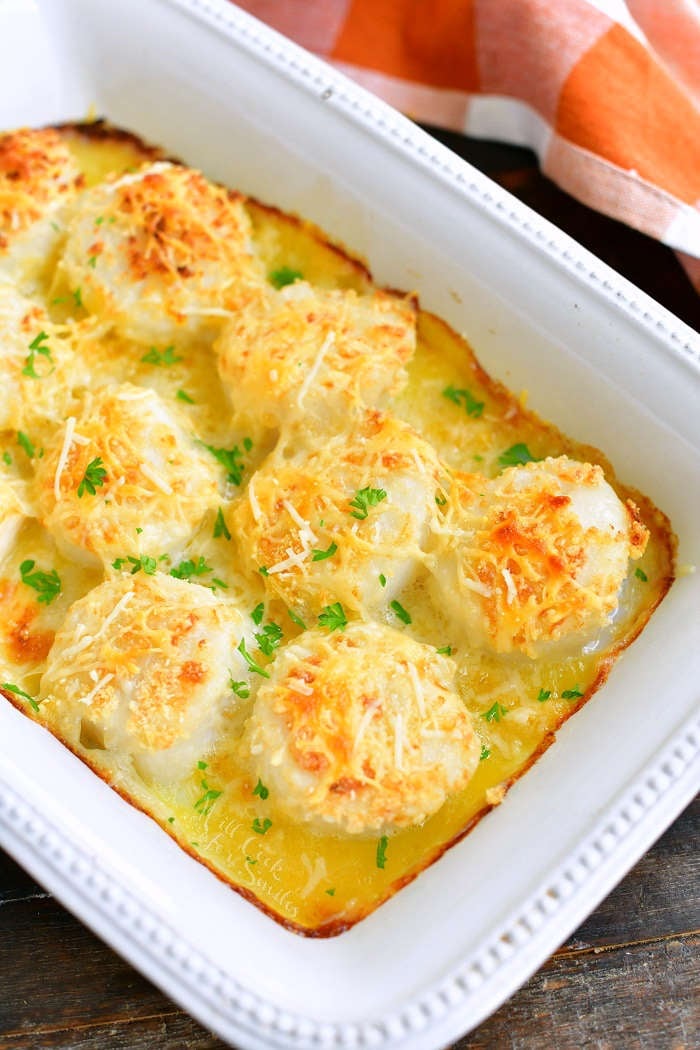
597,356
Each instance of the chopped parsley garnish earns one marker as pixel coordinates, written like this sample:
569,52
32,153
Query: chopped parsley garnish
322,555
95,475
263,570
230,460
182,395
445,650
331,891
572,694
241,689
145,563
26,444
440,500
270,638
333,617
46,584
220,526
285,275
258,613
189,568
202,765
34,704
516,455
255,668
398,610
495,712
77,297
364,499
7,458
171,820
544,694
261,827
92,261
204,804
641,575
382,579
296,619
464,397
261,790
485,753
381,851
163,358
249,860
39,347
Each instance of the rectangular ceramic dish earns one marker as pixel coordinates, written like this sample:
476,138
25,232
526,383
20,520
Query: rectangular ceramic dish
598,358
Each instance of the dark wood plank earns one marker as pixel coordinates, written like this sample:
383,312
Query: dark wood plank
165,1031
16,884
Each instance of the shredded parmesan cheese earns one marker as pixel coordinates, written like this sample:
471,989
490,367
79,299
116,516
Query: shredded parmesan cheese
63,457
313,371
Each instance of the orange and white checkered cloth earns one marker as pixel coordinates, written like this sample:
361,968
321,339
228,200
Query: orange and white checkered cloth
607,92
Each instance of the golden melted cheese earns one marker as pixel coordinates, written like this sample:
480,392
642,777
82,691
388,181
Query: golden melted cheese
319,731
313,355
362,730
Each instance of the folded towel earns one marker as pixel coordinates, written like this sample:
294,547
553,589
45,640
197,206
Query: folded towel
606,92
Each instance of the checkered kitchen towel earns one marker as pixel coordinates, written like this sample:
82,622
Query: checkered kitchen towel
606,92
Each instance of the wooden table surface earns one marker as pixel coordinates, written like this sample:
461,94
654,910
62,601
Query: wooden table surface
628,978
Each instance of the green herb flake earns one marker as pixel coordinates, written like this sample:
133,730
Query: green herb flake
495,713
171,820
220,526
77,297
516,455
270,638
260,790
187,569
381,851
230,459
202,765
258,614
34,704
145,562
263,570
249,860
485,753
255,668
464,397
95,476
445,650
572,694
46,584
24,442
92,261
161,358
364,499
382,579
205,802
38,346
7,458
331,891
296,619
641,575
318,555
283,276
182,395
241,689
440,500
333,617
398,610
261,827
544,694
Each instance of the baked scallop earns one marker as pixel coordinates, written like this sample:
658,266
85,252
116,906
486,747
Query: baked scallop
362,731
347,522
14,509
162,253
38,176
39,367
141,667
534,557
124,477
314,354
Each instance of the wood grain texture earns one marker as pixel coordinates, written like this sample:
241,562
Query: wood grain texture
627,979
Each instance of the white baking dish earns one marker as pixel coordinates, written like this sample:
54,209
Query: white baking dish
598,357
